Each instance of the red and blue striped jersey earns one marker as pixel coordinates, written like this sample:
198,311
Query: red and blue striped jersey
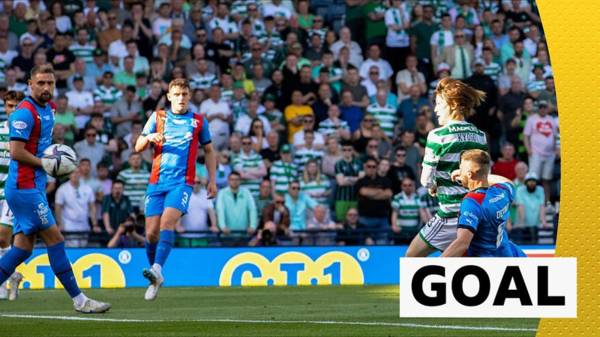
174,160
30,123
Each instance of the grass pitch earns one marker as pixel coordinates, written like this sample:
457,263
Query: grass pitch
274,311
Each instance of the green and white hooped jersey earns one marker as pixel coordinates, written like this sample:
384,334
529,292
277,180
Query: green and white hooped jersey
442,156
251,161
407,209
4,156
386,116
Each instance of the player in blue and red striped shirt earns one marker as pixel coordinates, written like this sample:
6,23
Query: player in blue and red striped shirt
484,211
175,135
30,134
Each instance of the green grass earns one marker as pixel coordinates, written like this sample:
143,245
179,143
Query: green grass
189,311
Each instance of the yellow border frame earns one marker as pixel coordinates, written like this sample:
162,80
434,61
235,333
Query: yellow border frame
573,32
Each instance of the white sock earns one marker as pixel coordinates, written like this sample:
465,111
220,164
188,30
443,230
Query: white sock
157,267
80,299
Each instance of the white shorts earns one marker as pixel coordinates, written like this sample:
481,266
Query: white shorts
6,215
542,166
438,233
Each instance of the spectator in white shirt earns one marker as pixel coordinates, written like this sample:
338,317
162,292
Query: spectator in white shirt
118,49
277,9
201,214
385,69
409,77
73,209
345,40
81,102
219,116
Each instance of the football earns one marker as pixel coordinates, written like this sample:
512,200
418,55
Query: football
66,160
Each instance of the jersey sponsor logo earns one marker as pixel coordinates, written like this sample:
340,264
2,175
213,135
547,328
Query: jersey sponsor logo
19,125
42,212
194,122
291,268
500,214
184,199
496,198
460,128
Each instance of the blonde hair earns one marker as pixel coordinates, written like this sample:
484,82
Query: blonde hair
305,176
461,97
480,158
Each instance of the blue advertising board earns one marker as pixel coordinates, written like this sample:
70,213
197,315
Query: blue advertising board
273,266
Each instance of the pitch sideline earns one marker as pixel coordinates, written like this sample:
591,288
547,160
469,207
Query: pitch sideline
391,324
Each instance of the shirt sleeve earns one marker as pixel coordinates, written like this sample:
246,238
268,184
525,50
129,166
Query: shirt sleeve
470,215
150,126
20,124
510,191
205,132
59,199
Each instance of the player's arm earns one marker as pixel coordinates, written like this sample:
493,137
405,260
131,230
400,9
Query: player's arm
20,154
468,221
149,135
430,161
459,246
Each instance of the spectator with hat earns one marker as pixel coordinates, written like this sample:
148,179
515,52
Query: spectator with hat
530,207
541,132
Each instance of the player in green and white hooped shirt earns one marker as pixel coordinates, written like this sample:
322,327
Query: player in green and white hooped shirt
11,100
454,101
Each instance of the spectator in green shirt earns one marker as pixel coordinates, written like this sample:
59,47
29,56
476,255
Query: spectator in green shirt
236,209
125,77
65,118
420,35
376,30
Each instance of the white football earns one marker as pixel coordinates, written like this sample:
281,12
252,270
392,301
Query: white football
66,160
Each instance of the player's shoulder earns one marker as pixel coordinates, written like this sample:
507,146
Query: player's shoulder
476,197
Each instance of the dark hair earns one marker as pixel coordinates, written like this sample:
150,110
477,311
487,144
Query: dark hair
13,95
85,160
96,115
234,173
118,181
42,69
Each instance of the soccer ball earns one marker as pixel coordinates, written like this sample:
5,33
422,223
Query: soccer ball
66,160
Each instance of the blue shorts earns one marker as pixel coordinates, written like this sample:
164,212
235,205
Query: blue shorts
31,211
160,197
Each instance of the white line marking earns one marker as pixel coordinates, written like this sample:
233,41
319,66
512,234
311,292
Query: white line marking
404,325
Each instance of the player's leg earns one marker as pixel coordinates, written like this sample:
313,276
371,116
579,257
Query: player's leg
55,244
21,251
6,232
175,205
152,237
153,208
421,245
5,237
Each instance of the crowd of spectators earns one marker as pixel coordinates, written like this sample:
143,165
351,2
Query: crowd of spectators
319,110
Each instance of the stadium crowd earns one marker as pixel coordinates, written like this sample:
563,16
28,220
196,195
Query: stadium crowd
319,110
